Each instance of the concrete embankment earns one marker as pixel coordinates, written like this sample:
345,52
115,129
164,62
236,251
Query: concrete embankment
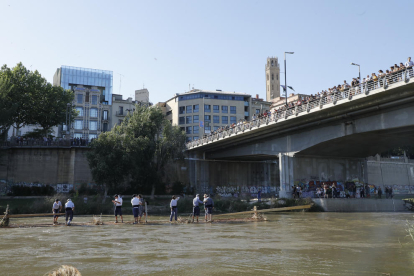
361,205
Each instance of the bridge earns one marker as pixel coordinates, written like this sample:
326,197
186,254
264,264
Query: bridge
326,139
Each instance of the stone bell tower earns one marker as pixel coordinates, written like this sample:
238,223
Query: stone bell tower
272,78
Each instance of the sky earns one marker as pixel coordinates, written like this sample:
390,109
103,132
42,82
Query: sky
169,46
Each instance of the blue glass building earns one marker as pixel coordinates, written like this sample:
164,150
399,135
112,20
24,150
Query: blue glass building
69,77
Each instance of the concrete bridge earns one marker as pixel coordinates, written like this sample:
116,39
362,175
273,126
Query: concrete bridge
326,139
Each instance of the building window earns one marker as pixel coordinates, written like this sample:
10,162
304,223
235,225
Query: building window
195,119
273,77
77,135
224,109
168,113
105,114
121,110
196,108
257,111
182,129
195,129
207,108
216,108
277,77
188,130
272,87
94,113
189,108
267,76
188,120
216,119
224,120
181,120
78,124
80,111
188,139
79,98
94,99
215,128
233,109
195,137
105,127
233,119
93,125
182,110
207,129
207,118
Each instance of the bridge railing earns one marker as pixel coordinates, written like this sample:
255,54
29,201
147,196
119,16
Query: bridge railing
331,98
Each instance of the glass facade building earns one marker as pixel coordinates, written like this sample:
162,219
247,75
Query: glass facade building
71,76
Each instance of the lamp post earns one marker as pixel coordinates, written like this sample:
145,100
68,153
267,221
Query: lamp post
359,70
291,53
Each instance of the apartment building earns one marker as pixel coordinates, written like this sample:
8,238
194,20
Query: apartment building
199,112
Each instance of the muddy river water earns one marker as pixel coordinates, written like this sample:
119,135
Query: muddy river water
287,244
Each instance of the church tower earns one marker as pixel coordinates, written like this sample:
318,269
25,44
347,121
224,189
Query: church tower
272,78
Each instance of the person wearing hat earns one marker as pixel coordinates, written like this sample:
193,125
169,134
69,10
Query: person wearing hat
173,206
118,208
57,207
69,208
196,206
208,206
135,207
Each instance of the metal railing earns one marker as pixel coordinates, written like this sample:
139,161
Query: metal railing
334,98
41,143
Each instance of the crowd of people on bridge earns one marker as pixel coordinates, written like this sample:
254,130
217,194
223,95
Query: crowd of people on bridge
372,81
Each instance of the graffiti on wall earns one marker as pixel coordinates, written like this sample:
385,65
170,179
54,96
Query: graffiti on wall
6,186
246,191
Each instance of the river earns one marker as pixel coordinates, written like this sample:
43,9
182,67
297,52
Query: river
298,243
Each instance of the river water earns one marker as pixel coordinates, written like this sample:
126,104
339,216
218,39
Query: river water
298,243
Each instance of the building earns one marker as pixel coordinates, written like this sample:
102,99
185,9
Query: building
272,69
93,97
199,112
120,109
142,95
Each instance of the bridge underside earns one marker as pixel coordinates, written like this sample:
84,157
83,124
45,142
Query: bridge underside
363,144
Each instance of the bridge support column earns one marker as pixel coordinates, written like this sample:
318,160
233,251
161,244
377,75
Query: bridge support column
286,174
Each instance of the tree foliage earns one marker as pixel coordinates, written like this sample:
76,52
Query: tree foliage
146,141
30,99
6,108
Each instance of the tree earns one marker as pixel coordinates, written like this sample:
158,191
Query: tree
33,100
151,141
137,150
108,161
7,108
52,105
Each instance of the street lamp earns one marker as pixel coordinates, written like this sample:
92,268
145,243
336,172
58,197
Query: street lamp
291,53
359,70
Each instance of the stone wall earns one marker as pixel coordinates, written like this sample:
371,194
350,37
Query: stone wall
45,165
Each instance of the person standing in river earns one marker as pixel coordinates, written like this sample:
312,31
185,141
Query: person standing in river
56,209
118,208
135,208
208,206
173,206
69,208
196,206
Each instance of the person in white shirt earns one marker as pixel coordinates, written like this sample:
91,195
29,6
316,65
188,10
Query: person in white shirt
135,207
118,208
196,206
409,65
69,208
173,206
208,206
56,209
